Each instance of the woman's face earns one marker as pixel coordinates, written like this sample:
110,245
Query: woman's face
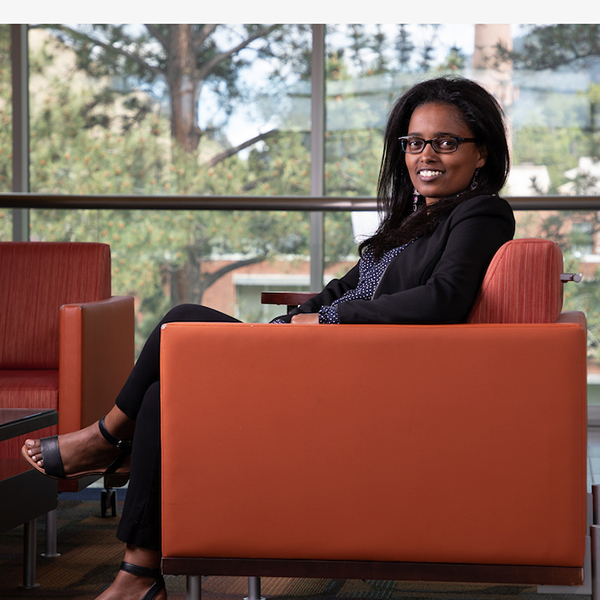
440,175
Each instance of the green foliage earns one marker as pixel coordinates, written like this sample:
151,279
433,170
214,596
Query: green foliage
455,61
175,62
585,296
554,46
556,148
280,166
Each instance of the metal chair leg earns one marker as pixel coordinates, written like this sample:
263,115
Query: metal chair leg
254,589
51,534
595,535
595,531
194,587
108,500
29,555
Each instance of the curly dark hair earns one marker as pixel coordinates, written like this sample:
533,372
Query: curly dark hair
484,117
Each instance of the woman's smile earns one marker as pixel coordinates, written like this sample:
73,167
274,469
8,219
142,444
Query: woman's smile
429,174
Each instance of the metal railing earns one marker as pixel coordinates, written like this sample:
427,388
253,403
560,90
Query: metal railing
258,203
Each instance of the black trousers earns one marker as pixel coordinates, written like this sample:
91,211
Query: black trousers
139,399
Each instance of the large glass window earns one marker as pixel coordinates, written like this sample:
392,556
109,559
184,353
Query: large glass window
548,88
170,109
547,79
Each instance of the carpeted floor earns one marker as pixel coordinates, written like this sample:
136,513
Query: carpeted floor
90,555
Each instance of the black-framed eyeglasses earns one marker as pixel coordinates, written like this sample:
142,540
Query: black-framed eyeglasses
443,144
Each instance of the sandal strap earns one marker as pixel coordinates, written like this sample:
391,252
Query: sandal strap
53,464
141,571
124,445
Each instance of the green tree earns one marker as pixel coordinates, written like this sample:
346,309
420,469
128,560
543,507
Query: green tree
554,46
177,60
404,47
161,257
426,50
455,61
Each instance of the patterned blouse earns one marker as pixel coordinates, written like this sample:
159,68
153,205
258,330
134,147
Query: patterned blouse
370,273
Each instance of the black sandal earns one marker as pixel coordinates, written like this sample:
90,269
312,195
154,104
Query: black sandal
53,464
157,586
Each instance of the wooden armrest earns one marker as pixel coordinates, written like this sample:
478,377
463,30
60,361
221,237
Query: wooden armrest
286,298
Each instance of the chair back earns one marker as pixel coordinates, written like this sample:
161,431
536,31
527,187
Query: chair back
522,284
36,279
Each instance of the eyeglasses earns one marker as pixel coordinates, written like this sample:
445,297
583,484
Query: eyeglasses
442,145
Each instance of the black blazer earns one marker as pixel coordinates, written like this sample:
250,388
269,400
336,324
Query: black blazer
436,278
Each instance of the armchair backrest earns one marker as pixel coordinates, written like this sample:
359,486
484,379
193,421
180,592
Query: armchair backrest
36,279
522,284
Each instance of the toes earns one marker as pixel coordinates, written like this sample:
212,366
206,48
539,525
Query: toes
34,452
33,446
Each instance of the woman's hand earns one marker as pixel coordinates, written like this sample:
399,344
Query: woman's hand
306,319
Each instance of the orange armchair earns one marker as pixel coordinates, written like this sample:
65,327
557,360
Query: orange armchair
65,342
415,452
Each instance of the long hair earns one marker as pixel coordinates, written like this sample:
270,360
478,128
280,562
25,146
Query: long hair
484,117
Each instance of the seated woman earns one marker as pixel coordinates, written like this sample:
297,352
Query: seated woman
445,160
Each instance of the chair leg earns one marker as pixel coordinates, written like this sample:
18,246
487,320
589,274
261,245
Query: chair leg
595,561
51,534
108,500
595,535
194,587
29,555
254,589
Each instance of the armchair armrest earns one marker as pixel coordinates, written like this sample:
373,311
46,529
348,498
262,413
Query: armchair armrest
96,356
289,299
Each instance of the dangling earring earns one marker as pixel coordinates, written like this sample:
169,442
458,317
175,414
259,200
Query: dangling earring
474,182
415,200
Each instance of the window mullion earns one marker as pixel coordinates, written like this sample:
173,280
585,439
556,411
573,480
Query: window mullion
20,125
317,153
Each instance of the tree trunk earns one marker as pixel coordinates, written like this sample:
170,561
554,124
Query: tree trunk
181,80
189,283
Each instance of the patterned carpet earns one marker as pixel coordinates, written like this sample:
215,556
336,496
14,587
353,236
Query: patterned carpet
90,555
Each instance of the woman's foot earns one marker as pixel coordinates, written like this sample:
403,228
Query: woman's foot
85,451
129,585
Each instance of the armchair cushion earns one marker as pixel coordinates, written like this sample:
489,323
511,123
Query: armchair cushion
21,388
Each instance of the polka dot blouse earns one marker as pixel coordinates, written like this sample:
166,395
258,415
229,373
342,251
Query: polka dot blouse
370,273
